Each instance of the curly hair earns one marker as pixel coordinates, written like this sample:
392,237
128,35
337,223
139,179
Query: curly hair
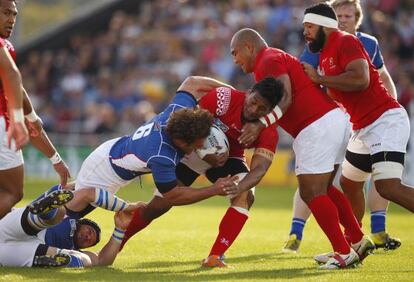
188,125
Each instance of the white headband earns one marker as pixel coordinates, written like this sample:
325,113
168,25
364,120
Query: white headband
320,20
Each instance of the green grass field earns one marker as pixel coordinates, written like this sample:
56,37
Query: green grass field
171,248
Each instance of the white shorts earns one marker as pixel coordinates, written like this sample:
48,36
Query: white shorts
16,247
8,157
96,171
321,145
389,133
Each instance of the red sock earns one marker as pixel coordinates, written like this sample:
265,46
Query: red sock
136,225
230,226
346,215
326,214
348,235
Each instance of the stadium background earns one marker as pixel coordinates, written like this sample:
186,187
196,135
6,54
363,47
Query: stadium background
98,68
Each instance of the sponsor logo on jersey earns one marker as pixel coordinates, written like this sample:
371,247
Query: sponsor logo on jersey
221,125
72,227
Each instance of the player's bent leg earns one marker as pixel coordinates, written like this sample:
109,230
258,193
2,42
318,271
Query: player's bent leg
11,188
354,191
143,216
301,213
313,191
34,223
229,228
51,201
356,170
387,177
81,199
47,256
378,207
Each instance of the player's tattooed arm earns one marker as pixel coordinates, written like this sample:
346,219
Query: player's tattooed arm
261,161
198,86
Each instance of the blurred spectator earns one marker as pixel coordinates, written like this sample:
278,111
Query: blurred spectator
100,81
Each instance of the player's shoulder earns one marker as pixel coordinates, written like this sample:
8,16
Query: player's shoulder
183,99
367,39
163,153
271,53
224,97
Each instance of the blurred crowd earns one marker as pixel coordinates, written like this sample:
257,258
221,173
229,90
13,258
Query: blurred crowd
112,81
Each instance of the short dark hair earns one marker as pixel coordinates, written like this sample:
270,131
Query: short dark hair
93,224
323,9
271,89
188,125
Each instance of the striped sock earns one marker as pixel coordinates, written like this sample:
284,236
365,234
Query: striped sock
378,221
37,222
297,227
108,201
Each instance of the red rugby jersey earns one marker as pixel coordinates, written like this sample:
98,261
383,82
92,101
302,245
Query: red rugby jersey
309,102
226,105
365,106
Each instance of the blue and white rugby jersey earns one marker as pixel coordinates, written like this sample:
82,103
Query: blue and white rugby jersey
370,44
61,235
150,150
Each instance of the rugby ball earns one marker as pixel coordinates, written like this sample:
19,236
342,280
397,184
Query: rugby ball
215,143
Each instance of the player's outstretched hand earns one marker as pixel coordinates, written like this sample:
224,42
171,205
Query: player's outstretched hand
311,72
122,219
250,132
18,132
62,169
227,185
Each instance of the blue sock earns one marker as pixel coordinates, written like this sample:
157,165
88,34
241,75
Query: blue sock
378,221
297,227
49,215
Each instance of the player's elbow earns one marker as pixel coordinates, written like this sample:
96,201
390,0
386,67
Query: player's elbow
174,196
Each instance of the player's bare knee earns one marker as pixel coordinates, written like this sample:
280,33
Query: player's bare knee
306,194
241,200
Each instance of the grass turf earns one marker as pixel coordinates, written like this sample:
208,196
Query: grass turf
171,248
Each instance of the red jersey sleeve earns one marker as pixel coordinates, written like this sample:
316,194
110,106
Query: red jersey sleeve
273,66
350,49
209,102
217,101
268,139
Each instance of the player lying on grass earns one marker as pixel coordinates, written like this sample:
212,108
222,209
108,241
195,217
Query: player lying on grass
156,147
50,238
231,108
